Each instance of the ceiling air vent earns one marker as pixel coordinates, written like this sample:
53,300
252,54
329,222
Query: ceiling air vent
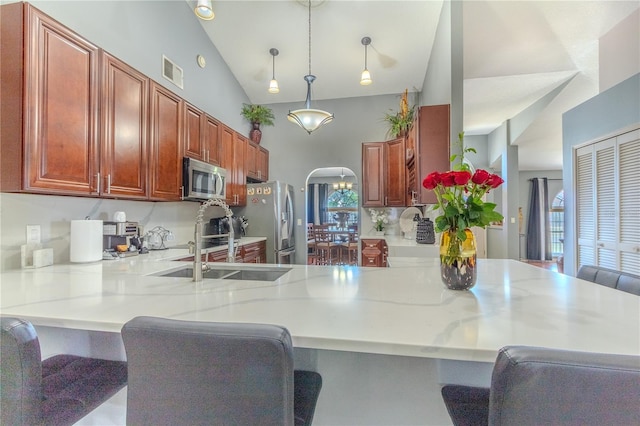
172,72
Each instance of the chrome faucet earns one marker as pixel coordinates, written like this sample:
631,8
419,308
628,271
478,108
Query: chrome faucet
197,257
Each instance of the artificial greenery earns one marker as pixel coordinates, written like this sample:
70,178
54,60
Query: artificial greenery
254,113
400,122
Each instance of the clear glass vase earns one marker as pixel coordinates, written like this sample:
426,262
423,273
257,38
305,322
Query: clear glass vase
458,260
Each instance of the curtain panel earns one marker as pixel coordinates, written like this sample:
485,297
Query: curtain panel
538,224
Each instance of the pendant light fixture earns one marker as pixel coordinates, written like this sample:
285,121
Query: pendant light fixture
273,84
365,78
204,10
307,118
342,186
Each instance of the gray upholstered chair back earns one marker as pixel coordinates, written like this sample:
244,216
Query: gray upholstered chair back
197,373
622,281
58,391
538,386
20,388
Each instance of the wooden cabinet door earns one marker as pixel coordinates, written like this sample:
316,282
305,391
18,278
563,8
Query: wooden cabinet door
217,256
226,161
263,164
252,160
373,174
212,140
373,252
239,163
124,142
251,253
395,187
165,144
194,132
62,110
432,146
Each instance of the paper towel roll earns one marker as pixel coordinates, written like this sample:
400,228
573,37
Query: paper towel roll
86,241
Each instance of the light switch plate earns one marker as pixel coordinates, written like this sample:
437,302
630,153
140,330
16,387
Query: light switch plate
33,234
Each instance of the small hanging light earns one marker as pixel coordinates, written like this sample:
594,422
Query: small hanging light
365,78
342,186
204,10
307,118
273,84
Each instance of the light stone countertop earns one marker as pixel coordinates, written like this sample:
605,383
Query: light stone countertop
392,311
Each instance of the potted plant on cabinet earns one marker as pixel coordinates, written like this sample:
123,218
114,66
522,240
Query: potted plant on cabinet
400,122
257,115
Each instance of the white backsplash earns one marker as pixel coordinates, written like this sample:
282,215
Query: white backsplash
54,213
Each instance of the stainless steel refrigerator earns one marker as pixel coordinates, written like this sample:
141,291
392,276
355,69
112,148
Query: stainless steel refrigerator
269,213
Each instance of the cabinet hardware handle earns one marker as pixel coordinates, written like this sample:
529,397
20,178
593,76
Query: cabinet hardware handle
98,182
109,183
182,193
385,200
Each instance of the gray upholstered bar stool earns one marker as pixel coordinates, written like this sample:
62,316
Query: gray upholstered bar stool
205,373
57,391
541,386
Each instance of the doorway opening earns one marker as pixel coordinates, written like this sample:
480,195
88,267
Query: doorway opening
333,203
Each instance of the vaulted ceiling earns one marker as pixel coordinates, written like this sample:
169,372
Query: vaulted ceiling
515,53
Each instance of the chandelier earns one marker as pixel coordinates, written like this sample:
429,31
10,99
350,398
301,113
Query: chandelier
307,118
342,186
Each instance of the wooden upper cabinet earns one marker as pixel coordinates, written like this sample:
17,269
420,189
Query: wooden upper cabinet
61,93
252,160
226,161
257,164
166,134
201,136
373,174
233,148
383,174
432,146
124,141
263,164
239,168
212,129
194,132
394,173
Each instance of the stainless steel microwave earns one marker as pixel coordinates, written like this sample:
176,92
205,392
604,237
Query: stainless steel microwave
202,181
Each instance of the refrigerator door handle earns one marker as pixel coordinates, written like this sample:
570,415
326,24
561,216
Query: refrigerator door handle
290,215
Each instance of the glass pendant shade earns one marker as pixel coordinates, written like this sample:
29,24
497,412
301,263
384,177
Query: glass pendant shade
204,11
307,118
273,86
365,79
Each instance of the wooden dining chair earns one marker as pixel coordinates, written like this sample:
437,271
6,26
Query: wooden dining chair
311,245
350,247
327,251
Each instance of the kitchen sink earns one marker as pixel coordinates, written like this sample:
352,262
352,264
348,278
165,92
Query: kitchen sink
232,273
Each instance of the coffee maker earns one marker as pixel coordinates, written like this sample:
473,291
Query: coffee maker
120,239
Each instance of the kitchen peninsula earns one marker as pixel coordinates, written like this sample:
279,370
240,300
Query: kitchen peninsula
384,339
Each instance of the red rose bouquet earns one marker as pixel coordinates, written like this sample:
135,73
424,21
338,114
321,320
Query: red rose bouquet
459,194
